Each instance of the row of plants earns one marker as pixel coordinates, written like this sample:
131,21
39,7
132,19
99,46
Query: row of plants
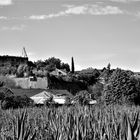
71,123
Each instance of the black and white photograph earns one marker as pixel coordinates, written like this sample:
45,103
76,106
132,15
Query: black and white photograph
69,69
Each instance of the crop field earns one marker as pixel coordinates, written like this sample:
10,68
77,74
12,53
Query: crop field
70,123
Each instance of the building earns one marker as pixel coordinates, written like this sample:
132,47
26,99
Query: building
12,60
7,60
31,82
58,96
6,91
90,71
58,72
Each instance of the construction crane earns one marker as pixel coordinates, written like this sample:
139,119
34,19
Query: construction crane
24,54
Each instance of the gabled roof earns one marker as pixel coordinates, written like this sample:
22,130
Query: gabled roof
58,72
6,91
44,94
59,96
40,98
89,71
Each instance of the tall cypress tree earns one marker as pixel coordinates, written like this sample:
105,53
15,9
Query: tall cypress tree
72,65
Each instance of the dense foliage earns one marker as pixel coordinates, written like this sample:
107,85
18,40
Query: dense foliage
52,63
71,123
122,88
70,83
26,69
82,97
96,91
16,102
7,82
8,69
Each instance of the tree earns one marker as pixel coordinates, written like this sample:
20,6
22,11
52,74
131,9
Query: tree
106,73
40,64
21,69
16,102
121,88
72,65
82,97
65,66
50,67
51,64
109,66
96,91
7,82
53,61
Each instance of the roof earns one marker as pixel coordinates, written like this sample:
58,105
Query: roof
60,92
6,91
58,72
44,94
40,98
59,96
89,71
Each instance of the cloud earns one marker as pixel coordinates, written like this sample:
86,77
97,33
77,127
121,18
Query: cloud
138,14
108,10
125,1
3,18
13,28
81,10
5,2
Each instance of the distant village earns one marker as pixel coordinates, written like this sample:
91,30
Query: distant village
51,79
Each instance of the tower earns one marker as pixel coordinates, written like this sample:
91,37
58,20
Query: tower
24,54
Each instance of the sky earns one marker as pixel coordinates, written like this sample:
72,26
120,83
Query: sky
94,32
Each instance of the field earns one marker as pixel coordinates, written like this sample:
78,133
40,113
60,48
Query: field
71,123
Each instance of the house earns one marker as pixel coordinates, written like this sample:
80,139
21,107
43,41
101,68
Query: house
58,72
90,71
12,60
40,98
6,91
58,96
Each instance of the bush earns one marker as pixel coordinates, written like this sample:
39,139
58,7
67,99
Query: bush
82,97
50,102
121,88
8,82
89,79
96,91
72,85
21,69
16,102
2,96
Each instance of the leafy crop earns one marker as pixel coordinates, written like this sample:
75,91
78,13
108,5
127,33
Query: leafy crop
71,123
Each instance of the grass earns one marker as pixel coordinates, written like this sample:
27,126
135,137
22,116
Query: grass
71,123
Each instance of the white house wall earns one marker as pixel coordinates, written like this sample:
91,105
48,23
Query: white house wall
25,83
